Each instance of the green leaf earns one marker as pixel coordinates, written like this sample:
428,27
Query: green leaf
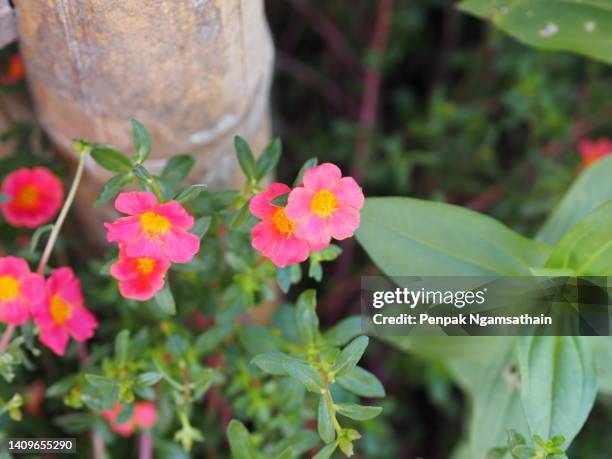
281,200
211,339
177,169
312,162
344,331
591,189
326,452
580,26
283,278
587,248
361,382
306,316
37,235
142,142
240,217
258,340
240,441
201,226
273,362
559,384
122,347
495,394
149,378
268,159
245,158
358,412
305,374
113,187
350,356
325,425
410,237
111,159
165,300
190,193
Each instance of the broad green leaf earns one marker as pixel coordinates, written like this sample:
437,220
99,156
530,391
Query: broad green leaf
212,338
361,382
559,384
325,425
304,373
113,187
358,412
580,26
283,278
591,189
344,331
111,159
165,300
240,441
495,394
268,159
586,249
142,142
122,347
410,237
350,356
177,169
326,452
245,158
306,316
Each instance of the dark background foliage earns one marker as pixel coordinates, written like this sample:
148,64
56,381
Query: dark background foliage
418,99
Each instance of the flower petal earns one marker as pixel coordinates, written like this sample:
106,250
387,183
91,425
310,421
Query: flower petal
348,193
298,205
322,177
314,231
135,202
344,222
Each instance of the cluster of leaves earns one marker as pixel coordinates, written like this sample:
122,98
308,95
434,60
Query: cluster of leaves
519,449
557,378
198,342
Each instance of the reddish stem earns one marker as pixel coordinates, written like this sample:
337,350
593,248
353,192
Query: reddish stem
367,116
145,446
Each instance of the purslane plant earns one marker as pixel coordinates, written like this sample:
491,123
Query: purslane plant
183,286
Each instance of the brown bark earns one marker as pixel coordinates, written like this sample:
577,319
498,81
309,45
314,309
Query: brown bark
194,72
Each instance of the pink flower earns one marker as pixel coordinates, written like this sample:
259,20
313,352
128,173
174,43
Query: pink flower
153,230
20,290
326,206
36,196
144,417
64,314
274,237
139,278
592,151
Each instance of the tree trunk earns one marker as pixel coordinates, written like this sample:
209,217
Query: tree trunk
194,72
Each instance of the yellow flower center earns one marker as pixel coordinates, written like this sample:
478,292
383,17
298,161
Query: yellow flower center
154,224
323,203
27,197
145,265
9,288
61,311
282,223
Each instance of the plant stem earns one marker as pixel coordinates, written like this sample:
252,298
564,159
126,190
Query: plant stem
6,337
62,216
145,446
